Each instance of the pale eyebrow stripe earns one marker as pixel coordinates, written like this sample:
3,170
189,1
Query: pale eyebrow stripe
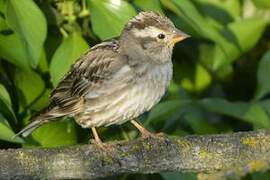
147,32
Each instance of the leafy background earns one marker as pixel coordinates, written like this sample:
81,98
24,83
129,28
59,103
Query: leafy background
221,75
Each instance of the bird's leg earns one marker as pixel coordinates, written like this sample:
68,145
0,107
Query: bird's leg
107,149
145,133
97,140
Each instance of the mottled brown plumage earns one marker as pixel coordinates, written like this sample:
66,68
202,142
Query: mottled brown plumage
118,80
145,19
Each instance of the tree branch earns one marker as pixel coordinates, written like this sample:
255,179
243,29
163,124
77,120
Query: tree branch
239,153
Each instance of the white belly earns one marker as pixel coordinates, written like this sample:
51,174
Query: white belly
129,102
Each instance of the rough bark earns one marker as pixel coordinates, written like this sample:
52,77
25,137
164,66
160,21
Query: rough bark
222,156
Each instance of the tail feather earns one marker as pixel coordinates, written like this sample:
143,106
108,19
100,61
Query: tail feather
45,115
37,122
30,128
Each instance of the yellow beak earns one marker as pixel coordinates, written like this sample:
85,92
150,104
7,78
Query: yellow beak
179,36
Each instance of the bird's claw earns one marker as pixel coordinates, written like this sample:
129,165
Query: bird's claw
104,147
148,134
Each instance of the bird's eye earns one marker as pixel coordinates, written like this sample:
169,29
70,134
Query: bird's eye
161,36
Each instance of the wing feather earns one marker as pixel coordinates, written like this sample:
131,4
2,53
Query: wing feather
88,74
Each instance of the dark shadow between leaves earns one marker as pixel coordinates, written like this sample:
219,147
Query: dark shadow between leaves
215,12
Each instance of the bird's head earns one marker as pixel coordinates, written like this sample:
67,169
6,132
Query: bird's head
152,35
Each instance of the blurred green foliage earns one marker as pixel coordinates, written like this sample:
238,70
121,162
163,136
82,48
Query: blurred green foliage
221,76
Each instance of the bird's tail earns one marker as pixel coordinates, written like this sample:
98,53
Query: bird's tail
30,127
42,117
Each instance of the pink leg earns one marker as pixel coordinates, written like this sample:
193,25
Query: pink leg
143,131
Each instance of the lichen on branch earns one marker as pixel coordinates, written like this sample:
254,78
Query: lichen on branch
234,154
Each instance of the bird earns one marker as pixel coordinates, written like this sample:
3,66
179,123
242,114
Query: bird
116,80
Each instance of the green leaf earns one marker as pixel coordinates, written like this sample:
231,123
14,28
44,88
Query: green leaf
231,42
187,11
19,57
27,20
43,65
3,6
262,3
108,17
30,87
266,105
248,31
199,122
260,175
66,54
263,74
3,24
55,134
5,104
244,34
153,5
42,101
220,11
199,80
4,96
6,133
165,110
250,112
178,176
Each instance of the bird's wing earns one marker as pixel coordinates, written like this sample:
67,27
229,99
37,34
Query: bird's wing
87,75
90,76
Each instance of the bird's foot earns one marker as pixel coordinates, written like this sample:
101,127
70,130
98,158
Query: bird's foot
147,134
103,147
161,135
107,152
